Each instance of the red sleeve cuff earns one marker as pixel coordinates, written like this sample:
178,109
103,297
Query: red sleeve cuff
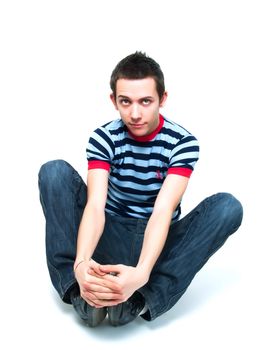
180,171
98,164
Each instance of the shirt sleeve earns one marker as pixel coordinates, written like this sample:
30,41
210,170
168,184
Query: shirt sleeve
100,149
184,156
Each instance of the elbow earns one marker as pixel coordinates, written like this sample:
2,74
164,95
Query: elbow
95,211
165,213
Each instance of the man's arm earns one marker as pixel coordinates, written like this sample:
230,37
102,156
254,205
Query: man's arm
158,225
132,278
93,219
90,231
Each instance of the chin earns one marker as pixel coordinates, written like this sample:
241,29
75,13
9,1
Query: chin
139,132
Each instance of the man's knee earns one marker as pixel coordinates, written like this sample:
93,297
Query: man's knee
231,210
53,172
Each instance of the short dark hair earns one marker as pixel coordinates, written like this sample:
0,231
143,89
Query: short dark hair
138,66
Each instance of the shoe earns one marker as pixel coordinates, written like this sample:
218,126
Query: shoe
126,312
90,315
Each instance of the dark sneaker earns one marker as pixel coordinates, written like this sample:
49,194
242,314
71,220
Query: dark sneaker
90,315
126,312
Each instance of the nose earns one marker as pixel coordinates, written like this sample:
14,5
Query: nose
135,113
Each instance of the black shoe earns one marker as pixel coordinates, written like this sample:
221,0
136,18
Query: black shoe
126,312
90,315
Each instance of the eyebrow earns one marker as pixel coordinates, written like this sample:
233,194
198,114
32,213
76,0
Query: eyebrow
142,98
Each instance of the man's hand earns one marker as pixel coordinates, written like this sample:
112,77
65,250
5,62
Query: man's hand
94,289
127,278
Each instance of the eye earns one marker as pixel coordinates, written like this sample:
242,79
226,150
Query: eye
124,101
146,101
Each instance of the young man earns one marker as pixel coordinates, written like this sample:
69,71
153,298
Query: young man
117,246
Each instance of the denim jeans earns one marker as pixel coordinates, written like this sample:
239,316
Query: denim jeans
190,242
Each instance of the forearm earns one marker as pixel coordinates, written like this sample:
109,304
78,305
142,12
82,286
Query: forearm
90,231
154,239
158,225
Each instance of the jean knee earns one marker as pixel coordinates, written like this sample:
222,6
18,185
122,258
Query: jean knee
53,171
232,210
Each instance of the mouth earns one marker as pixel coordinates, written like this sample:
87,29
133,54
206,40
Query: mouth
137,126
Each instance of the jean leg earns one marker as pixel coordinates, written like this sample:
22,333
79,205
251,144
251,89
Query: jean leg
63,196
121,241
190,243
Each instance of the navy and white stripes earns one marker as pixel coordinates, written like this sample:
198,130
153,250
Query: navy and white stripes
138,166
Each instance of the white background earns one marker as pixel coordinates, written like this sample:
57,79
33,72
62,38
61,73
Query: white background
55,62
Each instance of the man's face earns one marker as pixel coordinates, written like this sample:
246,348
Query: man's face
138,104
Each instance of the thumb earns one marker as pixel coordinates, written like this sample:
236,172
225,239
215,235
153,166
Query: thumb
111,269
95,267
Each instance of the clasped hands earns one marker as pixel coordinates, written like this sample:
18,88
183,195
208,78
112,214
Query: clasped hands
108,285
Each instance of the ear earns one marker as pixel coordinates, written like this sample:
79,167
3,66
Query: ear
113,100
164,98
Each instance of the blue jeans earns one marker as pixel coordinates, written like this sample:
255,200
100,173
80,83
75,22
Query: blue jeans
190,242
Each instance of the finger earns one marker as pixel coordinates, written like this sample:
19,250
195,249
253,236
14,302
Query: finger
92,272
106,281
103,303
99,303
111,282
96,288
95,273
109,303
94,297
91,299
95,267
115,269
83,296
111,278
97,306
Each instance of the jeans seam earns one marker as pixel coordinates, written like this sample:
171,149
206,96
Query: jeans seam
56,272
187,234
171,301
67,288
75,193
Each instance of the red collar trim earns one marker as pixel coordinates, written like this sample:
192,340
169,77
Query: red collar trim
151,135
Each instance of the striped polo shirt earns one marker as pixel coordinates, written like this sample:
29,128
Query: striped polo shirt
138,165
